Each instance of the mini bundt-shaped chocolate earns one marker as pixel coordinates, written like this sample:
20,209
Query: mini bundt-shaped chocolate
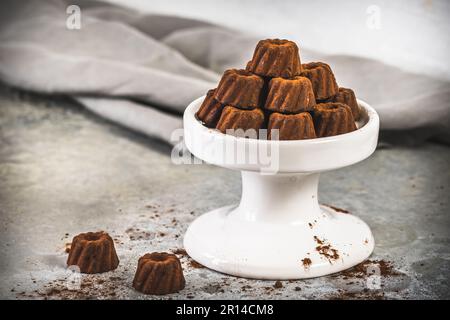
275,58
93,252
322,79
333,118
239,88
159,273
290,95
347,96
291,126
234,118
210,110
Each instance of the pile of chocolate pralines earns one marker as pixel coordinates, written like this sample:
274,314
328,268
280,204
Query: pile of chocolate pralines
293,101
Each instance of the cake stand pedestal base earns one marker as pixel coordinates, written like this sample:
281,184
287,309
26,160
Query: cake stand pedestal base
278,231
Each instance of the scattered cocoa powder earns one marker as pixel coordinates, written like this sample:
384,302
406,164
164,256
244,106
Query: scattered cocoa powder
66,235
195,264
192,263
326,250
138,234
53,291
88,289
180,251
318,240
337,209
245,287
278,284
306,263
386,269
362,295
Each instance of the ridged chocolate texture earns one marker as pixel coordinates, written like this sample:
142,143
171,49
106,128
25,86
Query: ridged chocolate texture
290,95
333,118
347,96
93,252
159,273
210,110
292,126
322,79
239,88
234,118
275,58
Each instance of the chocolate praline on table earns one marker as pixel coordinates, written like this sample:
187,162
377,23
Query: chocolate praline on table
93,252
159,273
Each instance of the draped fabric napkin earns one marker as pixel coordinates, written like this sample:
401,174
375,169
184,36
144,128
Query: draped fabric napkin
142,70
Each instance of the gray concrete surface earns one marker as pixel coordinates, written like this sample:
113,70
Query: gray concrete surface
64,171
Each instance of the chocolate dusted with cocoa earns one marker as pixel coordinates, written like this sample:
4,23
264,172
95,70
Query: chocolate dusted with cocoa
322,79
240,88
290,95
291,126
275,58
159,273
234,118
93,252
333,118
210,110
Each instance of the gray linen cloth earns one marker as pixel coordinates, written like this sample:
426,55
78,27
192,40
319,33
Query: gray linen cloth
142,70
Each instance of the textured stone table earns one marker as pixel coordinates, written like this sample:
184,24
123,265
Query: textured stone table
64,171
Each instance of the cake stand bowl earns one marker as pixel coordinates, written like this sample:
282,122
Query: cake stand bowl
279,230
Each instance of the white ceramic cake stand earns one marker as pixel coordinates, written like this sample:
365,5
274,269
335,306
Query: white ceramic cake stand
279,230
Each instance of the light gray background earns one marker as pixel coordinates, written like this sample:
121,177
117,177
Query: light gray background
413,34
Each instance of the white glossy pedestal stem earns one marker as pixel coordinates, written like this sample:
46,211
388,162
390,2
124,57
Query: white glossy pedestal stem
279,230
281,198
